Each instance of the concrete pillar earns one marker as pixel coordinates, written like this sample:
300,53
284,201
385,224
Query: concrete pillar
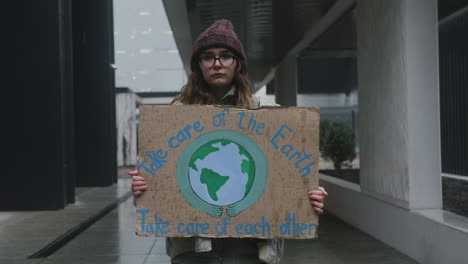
399,102
37,133
94,91
286,82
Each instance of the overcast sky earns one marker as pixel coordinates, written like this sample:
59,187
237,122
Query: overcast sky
146,55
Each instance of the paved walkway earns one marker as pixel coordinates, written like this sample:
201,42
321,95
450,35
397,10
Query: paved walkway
112,239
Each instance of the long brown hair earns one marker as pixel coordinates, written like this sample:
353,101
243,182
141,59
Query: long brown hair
197,91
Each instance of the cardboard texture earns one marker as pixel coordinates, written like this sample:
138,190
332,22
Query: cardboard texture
213,171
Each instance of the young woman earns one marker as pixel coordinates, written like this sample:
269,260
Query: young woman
219,76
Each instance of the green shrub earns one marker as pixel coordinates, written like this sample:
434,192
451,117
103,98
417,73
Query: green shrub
337,142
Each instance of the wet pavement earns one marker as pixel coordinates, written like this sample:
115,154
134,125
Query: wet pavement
112,239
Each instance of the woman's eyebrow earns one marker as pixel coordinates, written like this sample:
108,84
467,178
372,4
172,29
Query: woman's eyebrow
226,52
205,53
213,54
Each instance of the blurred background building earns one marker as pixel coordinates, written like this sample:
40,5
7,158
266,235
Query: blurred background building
396,72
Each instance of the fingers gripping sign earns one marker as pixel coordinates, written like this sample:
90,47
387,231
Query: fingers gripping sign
138,184
316,199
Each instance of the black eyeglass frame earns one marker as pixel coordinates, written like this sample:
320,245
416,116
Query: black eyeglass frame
218,58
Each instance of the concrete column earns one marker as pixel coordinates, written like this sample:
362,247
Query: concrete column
94,91
286,82
399,102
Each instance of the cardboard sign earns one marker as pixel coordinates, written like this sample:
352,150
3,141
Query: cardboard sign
228,172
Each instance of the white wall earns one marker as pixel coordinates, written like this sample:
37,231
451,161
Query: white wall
428,236
126,128
399,199
316,100
328,100
157,100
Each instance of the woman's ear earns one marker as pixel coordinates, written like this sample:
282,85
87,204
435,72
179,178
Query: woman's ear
238,66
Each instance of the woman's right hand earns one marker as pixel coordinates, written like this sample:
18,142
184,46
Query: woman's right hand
138,184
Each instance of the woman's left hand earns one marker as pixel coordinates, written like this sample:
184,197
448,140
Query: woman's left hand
316,199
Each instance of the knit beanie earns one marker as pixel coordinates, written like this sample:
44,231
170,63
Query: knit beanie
220,34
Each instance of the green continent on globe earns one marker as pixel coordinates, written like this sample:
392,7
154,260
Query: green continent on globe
213,182
248,167
206,150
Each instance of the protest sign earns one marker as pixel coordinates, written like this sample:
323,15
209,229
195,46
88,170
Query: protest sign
227,172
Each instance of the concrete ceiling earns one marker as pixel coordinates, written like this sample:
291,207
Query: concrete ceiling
272,29
269,29
448,7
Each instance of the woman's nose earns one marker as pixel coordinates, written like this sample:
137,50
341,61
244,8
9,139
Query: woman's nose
217,63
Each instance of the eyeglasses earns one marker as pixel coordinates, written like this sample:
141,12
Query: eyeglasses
225,60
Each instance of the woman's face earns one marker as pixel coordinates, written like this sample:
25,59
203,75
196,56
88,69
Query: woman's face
218,66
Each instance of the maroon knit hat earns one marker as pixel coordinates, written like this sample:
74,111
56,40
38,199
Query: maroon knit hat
220,34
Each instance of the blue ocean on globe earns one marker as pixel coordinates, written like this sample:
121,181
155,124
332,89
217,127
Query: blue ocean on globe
221,172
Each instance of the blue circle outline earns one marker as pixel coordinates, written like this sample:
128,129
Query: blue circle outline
258,185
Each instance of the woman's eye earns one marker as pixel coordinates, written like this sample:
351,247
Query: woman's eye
207,58
226,57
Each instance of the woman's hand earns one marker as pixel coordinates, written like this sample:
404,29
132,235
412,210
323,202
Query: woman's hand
316,199
138,184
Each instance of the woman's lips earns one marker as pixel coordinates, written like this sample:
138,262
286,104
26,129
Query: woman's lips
217,75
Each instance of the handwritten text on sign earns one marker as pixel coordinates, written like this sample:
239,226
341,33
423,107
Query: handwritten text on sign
262,228
155,159
227,172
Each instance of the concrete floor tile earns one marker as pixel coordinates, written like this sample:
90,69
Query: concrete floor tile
19,250
20,261
158,259
112,239
160,246
121,259
308,251
103,248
